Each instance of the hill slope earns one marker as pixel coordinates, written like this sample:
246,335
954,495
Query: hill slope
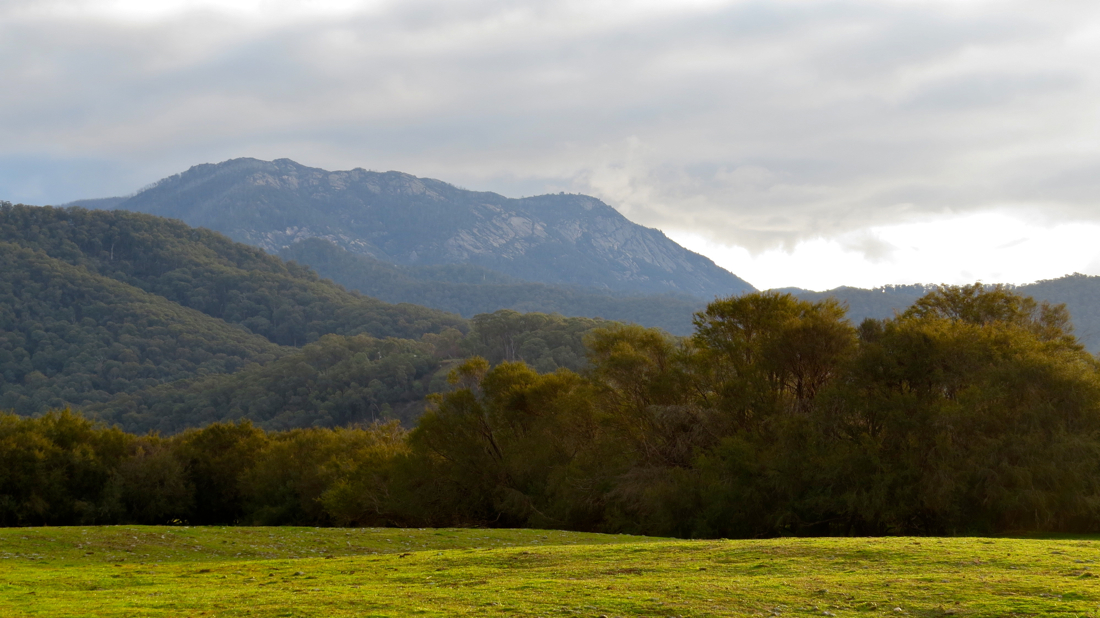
96,304
469,290
402,219
346,380
332,382
70,337
202,270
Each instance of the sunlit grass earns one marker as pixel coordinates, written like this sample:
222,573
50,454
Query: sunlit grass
180,571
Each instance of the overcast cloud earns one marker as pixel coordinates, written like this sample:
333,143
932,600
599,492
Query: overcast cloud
774,136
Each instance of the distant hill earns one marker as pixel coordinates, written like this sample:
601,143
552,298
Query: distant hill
400,219
1080,293
203,270
469,290
103,203
344,380
879,303
71,337
94,304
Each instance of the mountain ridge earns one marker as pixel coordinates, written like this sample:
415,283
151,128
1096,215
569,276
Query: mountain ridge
405,220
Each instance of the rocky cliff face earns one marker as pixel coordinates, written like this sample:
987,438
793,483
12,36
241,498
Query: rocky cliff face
402,219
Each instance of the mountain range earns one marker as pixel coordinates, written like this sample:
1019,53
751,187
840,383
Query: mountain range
400,219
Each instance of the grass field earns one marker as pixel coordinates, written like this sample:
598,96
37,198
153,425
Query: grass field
181,571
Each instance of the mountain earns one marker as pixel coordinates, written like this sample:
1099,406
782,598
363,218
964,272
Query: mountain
404,220
95,304
469,290
1080,293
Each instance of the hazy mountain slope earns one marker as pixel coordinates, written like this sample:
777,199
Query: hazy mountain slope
71,337
402,219
1080,293
103,203
470,290
879,303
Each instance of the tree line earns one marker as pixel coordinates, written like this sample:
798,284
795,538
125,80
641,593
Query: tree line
974,411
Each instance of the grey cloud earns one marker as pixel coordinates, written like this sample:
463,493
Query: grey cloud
874,249
757,123
990,89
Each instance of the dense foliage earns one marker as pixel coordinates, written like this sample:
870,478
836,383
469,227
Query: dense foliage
61,469
469,290
94,304
71,337
974,411
545,342
339,380
205,271
333,381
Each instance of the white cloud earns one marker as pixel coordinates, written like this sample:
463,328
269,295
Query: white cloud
954,250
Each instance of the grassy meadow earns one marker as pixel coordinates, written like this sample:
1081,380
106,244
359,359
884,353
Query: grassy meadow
333,572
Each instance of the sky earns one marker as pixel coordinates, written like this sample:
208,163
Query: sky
804,143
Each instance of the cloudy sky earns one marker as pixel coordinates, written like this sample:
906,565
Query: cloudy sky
810,143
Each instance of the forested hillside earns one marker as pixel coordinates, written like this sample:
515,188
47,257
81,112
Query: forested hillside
71,337
402,219
878,303
469,290
95,303
339,381
335,381
205,271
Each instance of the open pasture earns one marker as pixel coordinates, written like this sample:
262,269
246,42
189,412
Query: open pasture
226,571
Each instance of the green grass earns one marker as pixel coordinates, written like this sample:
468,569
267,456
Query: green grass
181,571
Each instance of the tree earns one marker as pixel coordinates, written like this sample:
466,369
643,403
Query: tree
498,448
768,353
973,411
